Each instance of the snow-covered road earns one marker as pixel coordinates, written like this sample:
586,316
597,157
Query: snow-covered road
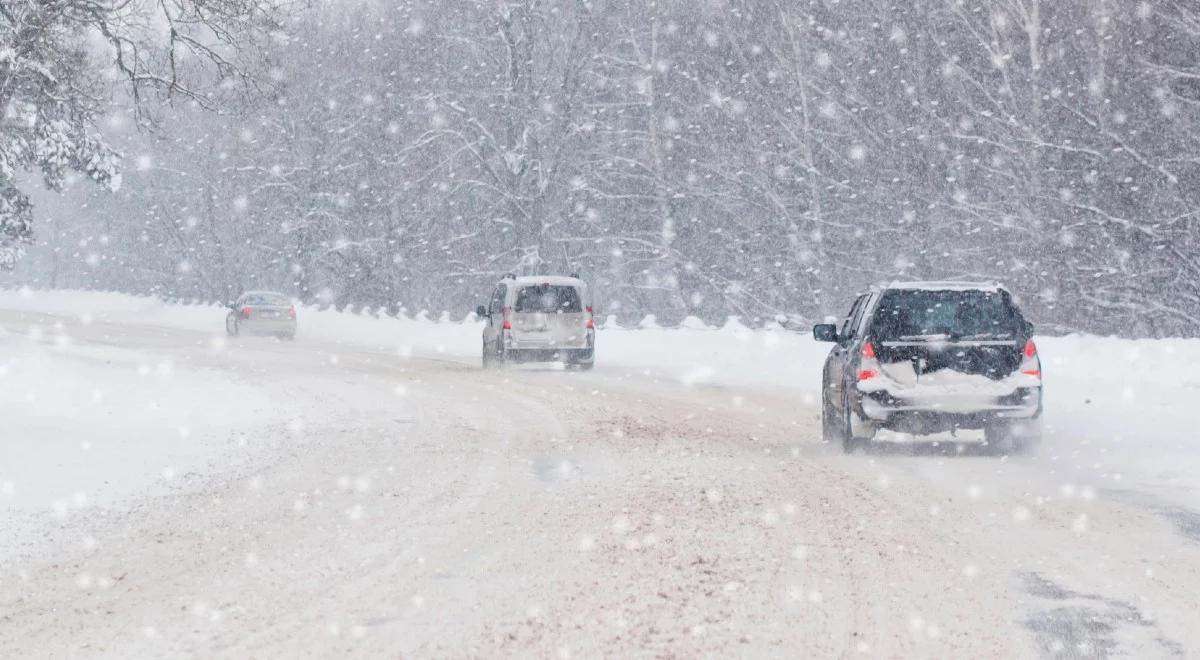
318,499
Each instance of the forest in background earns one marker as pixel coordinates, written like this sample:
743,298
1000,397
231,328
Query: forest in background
752,158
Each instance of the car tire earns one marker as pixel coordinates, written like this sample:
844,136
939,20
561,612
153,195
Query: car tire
487,354
850,442
830,424
574,359
500,357
1005,438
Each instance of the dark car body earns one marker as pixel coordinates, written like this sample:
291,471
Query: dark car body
931,357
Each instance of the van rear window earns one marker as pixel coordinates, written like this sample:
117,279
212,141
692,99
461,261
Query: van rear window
918,315
548,299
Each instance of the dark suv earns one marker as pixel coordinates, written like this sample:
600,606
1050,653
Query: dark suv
931,357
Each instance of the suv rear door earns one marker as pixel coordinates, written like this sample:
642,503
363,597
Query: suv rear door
919,332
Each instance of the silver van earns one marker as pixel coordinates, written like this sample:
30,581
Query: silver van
539,319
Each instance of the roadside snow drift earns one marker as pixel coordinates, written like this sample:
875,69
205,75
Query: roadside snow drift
87,425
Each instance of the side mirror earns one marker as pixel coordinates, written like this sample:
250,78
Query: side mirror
481,311
825,332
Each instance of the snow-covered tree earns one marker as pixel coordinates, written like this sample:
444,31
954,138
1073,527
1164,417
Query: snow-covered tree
733,157
57,61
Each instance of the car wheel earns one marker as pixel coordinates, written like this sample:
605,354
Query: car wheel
1004,438
1029,435
830,425
850,442
999,439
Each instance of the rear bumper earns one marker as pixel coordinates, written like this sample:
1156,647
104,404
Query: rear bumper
518,345
266,327
551,355
932,415
546,343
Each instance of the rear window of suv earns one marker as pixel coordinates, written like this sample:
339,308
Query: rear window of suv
548,299
921,315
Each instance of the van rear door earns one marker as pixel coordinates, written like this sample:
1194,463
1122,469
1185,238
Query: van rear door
549,315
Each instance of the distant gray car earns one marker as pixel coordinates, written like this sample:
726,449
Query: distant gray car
262,313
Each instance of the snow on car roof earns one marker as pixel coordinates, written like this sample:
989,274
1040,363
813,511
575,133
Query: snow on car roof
557,280
949,285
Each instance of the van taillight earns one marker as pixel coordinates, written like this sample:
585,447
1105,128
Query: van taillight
589,324
1030,348
867,374
868,350
507,325
245,312
292,311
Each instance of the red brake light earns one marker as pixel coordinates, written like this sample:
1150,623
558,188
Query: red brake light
868,353
588,309
507,325
245,312
1031,364
292,311
590,325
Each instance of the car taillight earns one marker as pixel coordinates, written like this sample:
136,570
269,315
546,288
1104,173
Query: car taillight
245,312
869,368
589,324
507,325
292,311
1031,364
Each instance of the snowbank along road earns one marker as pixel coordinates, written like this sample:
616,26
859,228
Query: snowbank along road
247,497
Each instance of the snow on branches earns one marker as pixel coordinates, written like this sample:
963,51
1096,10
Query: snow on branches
53,84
